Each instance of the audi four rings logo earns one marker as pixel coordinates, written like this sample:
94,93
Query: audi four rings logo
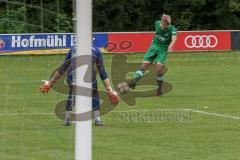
201,41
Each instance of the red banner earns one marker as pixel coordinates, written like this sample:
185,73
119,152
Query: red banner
203,41
129,42
186,41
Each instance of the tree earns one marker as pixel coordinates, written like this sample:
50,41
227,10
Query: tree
12,21
121,15
35,16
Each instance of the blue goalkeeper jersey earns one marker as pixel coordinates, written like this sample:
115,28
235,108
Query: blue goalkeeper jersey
97,64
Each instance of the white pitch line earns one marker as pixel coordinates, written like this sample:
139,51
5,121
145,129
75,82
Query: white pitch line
13,82
42,114
25,114
151,110
216,114
190,110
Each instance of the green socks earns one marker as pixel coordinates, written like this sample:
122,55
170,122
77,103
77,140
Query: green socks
138,75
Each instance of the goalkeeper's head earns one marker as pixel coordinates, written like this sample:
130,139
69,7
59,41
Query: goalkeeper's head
165,21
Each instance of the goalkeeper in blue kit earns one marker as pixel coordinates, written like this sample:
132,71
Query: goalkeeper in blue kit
97,60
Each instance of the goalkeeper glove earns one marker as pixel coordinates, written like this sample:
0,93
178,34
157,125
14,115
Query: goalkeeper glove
113,96
44,88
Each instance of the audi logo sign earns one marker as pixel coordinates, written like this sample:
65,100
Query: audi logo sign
201,41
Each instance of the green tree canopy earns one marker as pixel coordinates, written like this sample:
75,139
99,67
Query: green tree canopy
19,16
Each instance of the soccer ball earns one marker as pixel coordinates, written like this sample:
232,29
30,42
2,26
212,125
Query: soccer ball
123,88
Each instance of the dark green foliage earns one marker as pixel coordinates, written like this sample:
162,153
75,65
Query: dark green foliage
19,16
119,15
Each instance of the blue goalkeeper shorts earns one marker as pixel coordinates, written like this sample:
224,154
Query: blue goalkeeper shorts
71,97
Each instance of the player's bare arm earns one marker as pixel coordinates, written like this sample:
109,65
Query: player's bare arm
170,48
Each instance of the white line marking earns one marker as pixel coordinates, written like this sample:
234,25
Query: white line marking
190,110
154,110
6,98
25,114
216,114
10,82
42,114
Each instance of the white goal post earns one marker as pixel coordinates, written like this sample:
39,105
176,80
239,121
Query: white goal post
83,129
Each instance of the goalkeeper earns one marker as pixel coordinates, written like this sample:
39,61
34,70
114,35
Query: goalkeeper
97,59
162,43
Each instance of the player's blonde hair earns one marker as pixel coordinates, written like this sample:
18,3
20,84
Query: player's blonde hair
166,18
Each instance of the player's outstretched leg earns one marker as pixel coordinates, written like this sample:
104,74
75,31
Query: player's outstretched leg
138,75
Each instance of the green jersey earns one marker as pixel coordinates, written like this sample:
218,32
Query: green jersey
163,37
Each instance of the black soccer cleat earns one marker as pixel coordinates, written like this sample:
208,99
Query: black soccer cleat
132,84
99,123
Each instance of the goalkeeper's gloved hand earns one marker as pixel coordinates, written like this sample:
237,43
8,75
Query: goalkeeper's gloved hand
44,88
113,96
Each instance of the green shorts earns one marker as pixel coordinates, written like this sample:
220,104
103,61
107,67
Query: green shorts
156,54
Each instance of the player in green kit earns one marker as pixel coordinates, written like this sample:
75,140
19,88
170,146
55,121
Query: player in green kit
162,43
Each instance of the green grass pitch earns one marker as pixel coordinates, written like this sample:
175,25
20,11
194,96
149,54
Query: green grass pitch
207,83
